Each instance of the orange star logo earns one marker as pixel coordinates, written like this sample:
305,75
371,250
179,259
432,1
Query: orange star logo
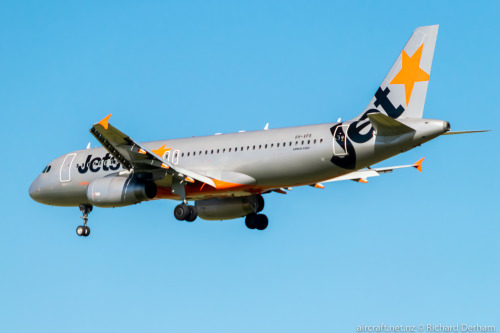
160,151
410,72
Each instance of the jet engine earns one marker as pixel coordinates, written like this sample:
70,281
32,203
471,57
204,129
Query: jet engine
229,208
119,191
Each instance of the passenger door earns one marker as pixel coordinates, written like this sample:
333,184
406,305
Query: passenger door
65,172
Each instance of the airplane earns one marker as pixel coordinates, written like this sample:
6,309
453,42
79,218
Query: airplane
226,175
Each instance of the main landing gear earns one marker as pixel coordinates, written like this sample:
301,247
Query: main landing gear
185,212
83,230
226,209
256,221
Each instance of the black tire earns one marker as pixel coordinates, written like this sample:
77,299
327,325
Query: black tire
251,220
181,212
193,214
86,232
260,203
80,230
262,222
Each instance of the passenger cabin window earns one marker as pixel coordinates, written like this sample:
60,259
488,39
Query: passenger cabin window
320,140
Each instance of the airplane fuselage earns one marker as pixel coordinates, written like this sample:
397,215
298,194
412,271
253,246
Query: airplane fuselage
253,161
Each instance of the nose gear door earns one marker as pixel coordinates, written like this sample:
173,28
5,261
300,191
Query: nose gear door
65,173
340,141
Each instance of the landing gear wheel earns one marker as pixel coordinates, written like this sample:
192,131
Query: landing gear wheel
193,214
262,222
80,230
256,221
86,231
181,212
251,220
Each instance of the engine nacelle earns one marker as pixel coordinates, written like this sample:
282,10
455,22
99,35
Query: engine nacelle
229,208
119,191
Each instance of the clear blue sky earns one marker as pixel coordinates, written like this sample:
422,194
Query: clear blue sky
408,248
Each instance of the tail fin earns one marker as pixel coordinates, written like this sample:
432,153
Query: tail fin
402,93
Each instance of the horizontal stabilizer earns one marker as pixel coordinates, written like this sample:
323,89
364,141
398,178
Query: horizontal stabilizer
464,132
361,175
387,126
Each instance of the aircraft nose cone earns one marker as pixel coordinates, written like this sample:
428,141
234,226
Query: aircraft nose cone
34,191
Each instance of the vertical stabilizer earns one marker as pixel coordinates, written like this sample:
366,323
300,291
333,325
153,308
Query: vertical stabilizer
402,93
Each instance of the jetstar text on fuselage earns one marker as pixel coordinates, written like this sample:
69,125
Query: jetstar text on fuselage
94,164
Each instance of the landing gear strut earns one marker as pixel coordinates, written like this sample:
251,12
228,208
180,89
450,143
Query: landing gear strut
185,212
83,230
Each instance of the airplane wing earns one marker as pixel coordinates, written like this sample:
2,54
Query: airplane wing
361,175
134,156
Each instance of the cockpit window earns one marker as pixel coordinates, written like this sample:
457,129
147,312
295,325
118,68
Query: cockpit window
47,169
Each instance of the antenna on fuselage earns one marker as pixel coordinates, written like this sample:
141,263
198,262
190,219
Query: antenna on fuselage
266,127
88,146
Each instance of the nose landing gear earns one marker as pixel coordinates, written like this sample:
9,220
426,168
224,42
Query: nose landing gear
83,230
